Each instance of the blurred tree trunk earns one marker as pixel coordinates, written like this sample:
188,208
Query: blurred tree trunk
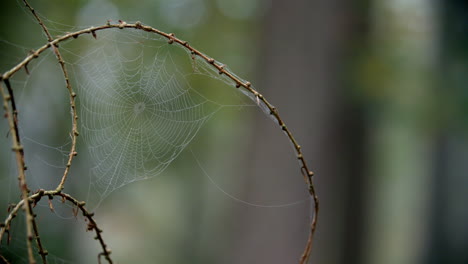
400,71
448,228
305,46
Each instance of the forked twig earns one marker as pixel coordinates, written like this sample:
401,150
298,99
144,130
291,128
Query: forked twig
306,172
92,224
31,224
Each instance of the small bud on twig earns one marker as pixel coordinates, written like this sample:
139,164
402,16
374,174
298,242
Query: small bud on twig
171,38
122,24
26,68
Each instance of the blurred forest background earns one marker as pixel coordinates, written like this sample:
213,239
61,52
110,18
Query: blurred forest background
375,91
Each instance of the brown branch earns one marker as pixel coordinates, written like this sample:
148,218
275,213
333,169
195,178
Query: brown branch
39,20
92,225
36,197
42,252
313,225
5,226
306,172
74,133
31,224
12,116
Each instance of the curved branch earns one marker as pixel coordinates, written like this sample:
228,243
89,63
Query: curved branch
36,197
273,112
72,95
11,115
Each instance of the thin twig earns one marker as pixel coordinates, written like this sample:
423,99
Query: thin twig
74,133
39,20
306,172
12,116
42,252
92,224
5,226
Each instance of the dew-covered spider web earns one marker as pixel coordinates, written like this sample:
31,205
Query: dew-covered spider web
140,101
136,120
138,106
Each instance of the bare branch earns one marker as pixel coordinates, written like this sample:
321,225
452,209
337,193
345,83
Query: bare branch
44,28
12,116
92,224
72,95
306,172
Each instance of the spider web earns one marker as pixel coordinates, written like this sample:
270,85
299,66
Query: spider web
138,111
140,100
